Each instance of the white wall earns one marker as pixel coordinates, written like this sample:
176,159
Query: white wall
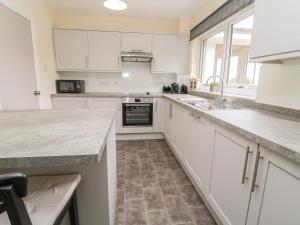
136,77
115,23
41,17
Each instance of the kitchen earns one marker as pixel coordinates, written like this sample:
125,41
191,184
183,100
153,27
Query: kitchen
137,113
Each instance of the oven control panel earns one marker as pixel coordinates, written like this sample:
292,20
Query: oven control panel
137,100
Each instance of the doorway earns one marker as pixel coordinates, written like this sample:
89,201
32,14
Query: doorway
18,83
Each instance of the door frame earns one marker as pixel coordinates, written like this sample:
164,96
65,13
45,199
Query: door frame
20,12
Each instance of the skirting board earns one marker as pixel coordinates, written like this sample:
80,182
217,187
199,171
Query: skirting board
140,136
193,182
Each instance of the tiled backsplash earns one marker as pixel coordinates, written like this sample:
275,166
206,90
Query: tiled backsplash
135,77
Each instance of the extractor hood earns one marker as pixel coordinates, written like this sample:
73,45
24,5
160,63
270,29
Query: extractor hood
136,56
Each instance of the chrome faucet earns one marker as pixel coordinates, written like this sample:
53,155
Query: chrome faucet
222,82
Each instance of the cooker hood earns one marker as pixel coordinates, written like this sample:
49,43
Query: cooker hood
136,56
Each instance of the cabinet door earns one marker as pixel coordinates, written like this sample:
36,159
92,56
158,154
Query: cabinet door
69,103
276,198
282,39
178,126
104,51
183,56
71,50
167,119
136,42
227,194
164,52
198,150
157,115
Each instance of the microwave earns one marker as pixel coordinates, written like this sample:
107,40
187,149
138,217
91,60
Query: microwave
70,86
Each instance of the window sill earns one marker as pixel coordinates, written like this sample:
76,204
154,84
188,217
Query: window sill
226,94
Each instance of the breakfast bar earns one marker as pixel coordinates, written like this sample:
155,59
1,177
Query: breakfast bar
66,142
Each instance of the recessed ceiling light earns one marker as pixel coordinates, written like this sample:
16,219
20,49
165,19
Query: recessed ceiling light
115,4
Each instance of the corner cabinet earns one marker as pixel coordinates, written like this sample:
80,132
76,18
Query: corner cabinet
71,50
275,34
104,51
165,53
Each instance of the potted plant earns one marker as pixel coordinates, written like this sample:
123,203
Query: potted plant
214,87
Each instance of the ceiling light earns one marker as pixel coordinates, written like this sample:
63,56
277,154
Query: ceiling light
115,4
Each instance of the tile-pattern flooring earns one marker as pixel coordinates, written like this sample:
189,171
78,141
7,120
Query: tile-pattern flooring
153,189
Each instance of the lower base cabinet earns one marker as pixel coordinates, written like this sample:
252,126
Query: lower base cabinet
230,181
243,182
276,197
197,154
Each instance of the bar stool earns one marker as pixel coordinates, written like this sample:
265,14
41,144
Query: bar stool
38,200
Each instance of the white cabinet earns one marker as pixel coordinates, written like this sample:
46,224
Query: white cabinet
68,102
276,199
183,56
198,149
157,114
136,42
71,50
195,49
276,35
164,52
233,162
178,129
167,119
104,51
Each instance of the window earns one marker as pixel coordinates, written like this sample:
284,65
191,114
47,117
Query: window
241,72
227,53
213,55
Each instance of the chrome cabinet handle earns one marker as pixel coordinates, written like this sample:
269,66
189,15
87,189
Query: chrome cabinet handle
195,116
87,62
254,185
246,165
170,111
36,93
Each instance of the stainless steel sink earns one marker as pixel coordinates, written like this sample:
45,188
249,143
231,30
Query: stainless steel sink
209,104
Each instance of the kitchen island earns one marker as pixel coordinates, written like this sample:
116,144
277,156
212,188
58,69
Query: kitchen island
66,142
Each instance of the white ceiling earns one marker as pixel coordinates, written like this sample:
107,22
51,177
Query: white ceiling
167,9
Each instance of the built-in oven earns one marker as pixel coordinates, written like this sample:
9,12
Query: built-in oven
137,112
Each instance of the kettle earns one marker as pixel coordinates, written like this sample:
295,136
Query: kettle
183,89
175,88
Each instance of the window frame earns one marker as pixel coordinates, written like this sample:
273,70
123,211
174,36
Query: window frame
210,33
227,27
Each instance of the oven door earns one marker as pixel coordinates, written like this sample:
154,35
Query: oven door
137,114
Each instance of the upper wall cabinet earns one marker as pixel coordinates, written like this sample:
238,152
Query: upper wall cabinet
275,30
136,42
165,53
71,50
104,51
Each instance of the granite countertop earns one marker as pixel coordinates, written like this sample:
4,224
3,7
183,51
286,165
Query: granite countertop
109,95
278,133
53,138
